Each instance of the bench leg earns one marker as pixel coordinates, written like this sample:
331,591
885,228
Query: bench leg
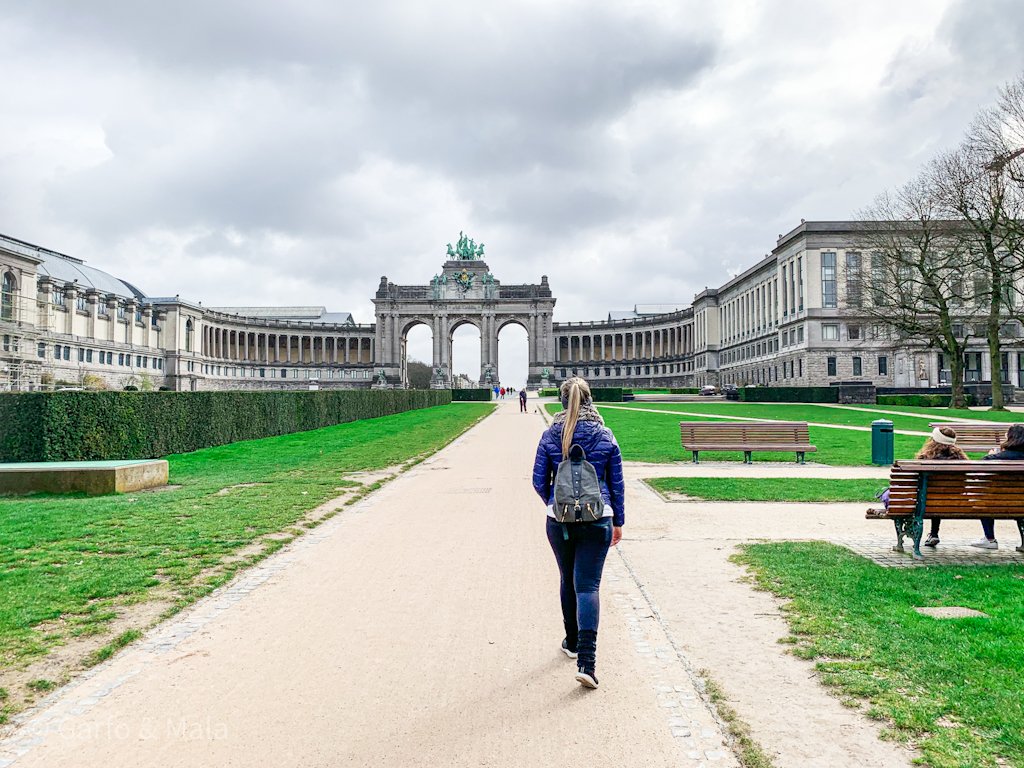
901,531
695,457
1020,527
747,458
916,529
799,457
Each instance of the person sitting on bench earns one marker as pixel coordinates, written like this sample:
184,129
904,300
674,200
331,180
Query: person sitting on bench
940,446
1011,449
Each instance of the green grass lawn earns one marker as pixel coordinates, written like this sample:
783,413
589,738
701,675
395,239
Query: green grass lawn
786,489
78,558
953,686
654,437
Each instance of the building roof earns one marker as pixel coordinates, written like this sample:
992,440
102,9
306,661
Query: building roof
305,314
64,268
645,310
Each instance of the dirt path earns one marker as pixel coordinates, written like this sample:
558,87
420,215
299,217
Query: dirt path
418,628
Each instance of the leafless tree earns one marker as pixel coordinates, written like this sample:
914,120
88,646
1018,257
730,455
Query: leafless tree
973,189
912,288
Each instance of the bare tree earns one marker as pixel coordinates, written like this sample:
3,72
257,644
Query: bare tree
913,288
972,188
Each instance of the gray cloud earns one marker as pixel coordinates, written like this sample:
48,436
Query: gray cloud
241,153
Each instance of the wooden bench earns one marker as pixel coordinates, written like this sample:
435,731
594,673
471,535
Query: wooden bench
746,436
980,436
951,490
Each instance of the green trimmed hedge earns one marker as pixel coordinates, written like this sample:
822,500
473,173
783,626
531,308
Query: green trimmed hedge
91,426
606,394
790,394
600,394
471,395
925,401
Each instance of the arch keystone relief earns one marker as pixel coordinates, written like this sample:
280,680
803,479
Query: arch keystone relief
465,291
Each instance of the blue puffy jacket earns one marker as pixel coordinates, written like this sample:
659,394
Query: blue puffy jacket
602,451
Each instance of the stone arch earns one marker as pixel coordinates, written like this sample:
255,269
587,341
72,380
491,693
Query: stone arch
408,324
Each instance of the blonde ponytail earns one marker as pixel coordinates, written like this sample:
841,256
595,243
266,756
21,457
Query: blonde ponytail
575,392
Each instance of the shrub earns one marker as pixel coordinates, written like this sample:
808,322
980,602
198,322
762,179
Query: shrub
471,395
790,394
926,401
606,394
88,426
548,392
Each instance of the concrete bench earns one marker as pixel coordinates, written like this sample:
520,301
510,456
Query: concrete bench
93,478
746,436
951,490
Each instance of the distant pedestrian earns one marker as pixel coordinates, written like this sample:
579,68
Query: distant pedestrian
522,400
495,393
502,393
1011,449
580,547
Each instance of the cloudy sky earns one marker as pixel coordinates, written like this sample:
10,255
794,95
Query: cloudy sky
263,153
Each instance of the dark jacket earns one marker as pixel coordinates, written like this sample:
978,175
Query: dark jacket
1005,456
602,451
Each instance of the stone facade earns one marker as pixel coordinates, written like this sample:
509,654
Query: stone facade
789,320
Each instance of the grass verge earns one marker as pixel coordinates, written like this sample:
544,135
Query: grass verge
951,686
71,566
747,751
785,489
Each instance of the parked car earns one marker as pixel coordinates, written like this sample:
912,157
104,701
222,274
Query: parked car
731,392
708,390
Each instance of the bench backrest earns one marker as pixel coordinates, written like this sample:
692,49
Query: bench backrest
744,432
977,435
965,489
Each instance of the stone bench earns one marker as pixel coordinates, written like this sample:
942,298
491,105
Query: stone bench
93,478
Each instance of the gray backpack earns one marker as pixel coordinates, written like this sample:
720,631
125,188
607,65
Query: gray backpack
577,496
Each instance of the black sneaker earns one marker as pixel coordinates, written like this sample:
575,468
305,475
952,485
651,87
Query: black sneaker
570,652
586,677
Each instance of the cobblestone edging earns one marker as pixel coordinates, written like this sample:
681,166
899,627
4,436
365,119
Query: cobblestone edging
675,685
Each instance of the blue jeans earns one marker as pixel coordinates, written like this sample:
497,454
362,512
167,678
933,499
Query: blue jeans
580,550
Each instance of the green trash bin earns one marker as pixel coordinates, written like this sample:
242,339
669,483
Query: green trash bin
882,451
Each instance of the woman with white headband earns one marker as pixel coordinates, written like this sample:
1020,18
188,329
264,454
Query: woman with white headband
940,446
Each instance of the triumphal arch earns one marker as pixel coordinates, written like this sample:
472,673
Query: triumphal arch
465,291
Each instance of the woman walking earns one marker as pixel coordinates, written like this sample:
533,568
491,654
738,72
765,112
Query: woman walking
580,548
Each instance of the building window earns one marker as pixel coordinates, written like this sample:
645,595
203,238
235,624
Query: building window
57,297
189,331
138,361
853,295
800,283
800,336
81,355
829,332
828,280
831,366
883,365
7,289
56,351
88,355
103,309
856,366
138,315
853,331
120,311
41,351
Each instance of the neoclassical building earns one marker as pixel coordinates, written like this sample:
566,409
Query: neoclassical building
789,320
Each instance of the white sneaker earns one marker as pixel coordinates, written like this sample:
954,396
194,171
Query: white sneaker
985,544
